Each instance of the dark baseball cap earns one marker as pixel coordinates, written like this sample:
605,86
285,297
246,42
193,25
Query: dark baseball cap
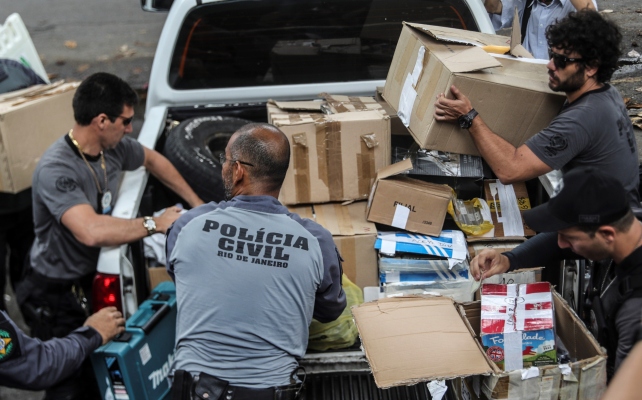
586,196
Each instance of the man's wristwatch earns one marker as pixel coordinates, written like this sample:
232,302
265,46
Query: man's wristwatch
150,225
466,120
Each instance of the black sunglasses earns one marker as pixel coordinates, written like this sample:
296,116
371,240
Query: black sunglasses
126,121
222,159
561,60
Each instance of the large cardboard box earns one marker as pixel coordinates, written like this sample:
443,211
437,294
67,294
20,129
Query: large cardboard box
406,203
416,339
333,157
30,121
352,234
510,94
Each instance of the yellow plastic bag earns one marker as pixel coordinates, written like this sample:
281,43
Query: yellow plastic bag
342,332
471,216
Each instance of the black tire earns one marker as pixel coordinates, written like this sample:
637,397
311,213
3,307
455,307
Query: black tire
194,147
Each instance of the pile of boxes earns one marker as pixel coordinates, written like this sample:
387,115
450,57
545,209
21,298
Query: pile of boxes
380,173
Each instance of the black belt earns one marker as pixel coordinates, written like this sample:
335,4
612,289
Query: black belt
207,387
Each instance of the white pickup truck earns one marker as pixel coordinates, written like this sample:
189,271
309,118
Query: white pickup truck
221,60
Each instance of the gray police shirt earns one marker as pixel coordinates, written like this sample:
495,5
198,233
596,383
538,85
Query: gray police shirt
594,130
249,277
63,180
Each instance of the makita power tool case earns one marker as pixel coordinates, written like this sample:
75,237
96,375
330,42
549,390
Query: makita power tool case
135,365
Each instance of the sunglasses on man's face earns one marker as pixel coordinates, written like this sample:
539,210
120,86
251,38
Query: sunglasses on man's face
126,121
560,60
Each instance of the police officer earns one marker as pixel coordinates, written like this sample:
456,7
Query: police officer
593,219
28,363
249,277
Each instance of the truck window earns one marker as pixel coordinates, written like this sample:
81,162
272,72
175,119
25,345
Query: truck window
278,42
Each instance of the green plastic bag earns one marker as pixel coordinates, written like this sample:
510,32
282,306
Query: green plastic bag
342,332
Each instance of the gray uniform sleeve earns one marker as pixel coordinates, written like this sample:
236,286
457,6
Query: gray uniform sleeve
562,140
330,298
627,323
28,363
60,189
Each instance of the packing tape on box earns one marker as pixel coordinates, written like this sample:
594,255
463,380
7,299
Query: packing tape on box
400,219
409,93
300,159
511,218
366,169
330,163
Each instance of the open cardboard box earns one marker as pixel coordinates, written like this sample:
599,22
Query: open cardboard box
416,339
406,203
511,94
352,234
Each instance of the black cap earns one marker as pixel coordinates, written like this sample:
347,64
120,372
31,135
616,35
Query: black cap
586,196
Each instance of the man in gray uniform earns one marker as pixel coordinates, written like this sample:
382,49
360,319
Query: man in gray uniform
249,277
74,190
27,363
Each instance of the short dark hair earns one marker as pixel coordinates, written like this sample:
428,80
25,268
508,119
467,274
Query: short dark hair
595,38
270,158
621,225
102,93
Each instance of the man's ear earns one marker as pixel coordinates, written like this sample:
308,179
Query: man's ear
591,71
607,233
100,120
239,173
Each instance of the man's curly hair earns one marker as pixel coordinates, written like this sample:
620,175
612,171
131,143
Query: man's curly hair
594,38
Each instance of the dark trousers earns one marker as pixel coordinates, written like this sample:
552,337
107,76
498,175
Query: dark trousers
51,309
16,237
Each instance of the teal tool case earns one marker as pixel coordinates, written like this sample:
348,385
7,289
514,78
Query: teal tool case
135,365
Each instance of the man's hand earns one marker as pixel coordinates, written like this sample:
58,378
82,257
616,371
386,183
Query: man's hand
449,110
488,263
167,218
109,322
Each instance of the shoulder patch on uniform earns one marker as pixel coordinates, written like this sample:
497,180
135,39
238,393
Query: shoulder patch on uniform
65,184
9,345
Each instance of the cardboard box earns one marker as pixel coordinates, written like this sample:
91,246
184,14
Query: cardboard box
336,104
510,94
30,121
158,275
507,219
353,235
412,339
517,325
333,157
406,203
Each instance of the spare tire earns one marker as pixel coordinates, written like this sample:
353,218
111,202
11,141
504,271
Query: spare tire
194,147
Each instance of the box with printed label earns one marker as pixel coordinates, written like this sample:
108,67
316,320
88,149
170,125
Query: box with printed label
517,325
507,203
511,94
333,157
352,234
408,204
411,263
30,121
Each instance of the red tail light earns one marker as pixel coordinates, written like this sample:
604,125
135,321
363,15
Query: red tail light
106,292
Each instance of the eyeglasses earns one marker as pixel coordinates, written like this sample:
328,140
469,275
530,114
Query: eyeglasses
561,60
126,121
223,159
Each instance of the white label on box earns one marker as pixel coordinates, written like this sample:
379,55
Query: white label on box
408,92
145,354
388,247
513,357
437,389
392,277
529,373
400,219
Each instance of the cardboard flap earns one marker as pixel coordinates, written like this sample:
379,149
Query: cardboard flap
516,48
413,339
298,105
394,169
345,220
473,59
460,36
